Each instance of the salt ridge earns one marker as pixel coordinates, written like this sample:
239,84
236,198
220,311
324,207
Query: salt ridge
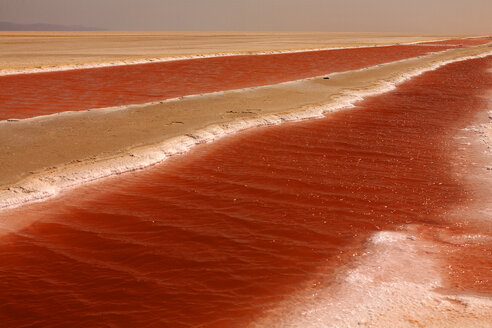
42,187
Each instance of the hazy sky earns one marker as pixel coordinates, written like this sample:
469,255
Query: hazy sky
433,16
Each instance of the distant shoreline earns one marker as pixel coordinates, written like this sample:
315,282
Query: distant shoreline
9,26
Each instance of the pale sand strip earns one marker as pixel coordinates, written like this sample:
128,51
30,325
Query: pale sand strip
43,155
45,51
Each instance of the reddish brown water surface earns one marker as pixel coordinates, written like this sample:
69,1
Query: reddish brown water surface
466,42
216,237
29,95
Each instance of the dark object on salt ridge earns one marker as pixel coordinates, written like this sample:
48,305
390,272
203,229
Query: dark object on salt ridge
326,78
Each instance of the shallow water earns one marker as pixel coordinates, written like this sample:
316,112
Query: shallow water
30,95
218,236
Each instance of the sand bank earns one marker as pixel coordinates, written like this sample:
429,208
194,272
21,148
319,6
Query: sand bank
45,51
42,155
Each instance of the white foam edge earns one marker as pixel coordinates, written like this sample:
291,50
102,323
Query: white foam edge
43,187
59,68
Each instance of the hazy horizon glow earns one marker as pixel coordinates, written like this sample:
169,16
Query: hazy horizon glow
417,16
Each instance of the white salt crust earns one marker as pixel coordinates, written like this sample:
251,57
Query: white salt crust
392,283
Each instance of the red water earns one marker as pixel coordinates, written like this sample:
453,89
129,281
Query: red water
466,42
29,95
216,237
